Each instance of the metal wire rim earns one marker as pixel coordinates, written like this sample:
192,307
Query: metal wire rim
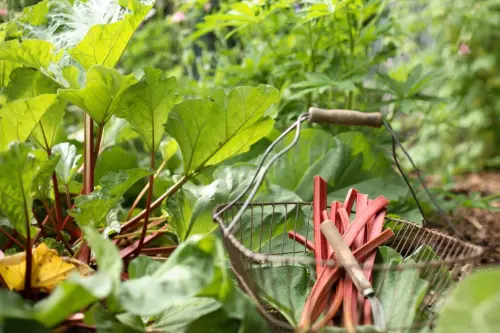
474,253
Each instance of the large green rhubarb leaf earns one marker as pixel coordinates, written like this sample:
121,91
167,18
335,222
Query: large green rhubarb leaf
286,288
20,117
401,291
104,44
19,166
28,83
473,306
146,105
211,131
34,53
102,92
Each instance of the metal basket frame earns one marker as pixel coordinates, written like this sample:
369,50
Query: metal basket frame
454,253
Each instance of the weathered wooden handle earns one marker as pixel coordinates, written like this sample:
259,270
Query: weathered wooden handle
345,117
346,258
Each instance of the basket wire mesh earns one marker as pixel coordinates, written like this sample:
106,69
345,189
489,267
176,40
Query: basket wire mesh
269,268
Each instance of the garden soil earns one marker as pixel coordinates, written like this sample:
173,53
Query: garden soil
480,226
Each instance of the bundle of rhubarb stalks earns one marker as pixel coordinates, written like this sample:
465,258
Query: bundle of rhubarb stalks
334,298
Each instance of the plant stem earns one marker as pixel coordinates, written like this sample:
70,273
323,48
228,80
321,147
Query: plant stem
139,233
159,250
139,197
40,225
133,221
57,198
68,196
148,206
49,214
352,47
100,130
88,170
57,229
311,65
88,175
27,247
12,238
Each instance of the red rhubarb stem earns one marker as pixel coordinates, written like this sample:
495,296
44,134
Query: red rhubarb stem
317,296
319,204
301,240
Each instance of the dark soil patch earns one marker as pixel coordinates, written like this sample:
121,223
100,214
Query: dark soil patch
481,226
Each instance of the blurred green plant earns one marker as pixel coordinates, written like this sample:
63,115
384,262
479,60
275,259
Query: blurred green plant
460,40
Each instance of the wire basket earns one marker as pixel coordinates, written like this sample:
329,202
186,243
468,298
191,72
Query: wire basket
276,271
270,268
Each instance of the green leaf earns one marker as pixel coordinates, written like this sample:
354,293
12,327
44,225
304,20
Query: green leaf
345,161
19,118
45,131
399,88
18,168
104,44
106,253
107,322
15,325
118,130
6,67
237,305
68,164
190,269
473,305
12,305
93,208
391,186
29,83
196,268
400,291
35,15
286,288
438,275
101,95
168,148
142,266
146,105
114,159
34,53
42,181
312,155
72,295
72,76
177,318
117,183
190,209
209,132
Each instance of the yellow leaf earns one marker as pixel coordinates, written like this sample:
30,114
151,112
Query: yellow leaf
48,269
12,269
